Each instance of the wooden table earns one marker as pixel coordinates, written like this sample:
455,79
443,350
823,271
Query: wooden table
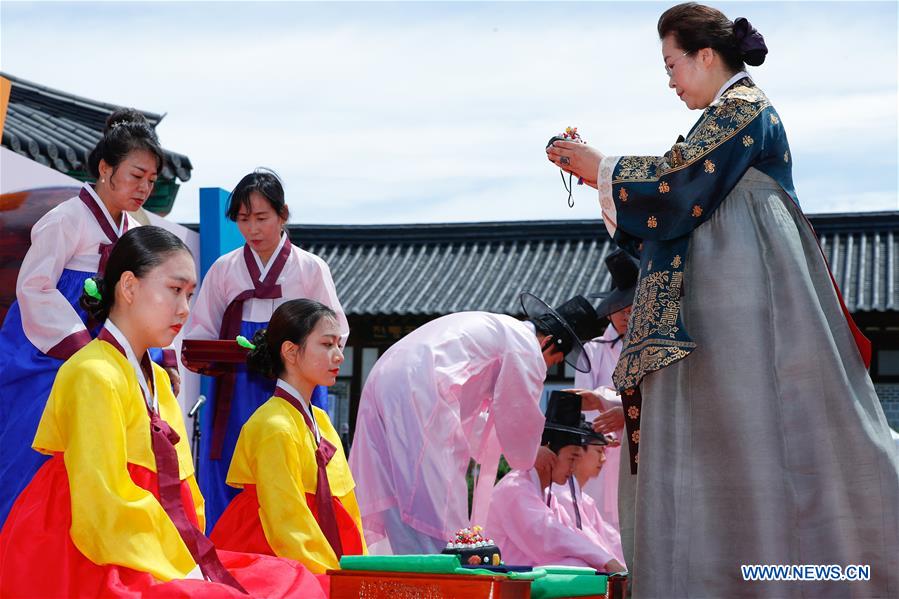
361,584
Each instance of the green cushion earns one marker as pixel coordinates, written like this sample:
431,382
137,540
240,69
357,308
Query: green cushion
568,585
432,564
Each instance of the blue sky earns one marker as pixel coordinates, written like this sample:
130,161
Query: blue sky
431,112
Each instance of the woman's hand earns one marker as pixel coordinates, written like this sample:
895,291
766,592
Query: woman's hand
609,421
579,159
546,461
175,377
590,400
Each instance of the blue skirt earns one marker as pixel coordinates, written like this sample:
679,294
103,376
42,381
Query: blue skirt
26,377
250,391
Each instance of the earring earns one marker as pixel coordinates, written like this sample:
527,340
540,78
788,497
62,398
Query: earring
102,180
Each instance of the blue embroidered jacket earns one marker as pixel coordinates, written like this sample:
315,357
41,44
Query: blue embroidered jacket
660,200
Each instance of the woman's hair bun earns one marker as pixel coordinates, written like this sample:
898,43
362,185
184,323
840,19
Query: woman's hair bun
259,359
127,117
750,42
97,308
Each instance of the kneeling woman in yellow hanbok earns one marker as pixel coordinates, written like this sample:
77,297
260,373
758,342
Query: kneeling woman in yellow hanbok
297,499
116,510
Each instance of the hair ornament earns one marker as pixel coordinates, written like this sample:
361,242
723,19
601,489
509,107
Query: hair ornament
91,288
244,342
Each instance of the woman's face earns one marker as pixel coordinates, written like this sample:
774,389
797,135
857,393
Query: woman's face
158,303
690,75
260,225
318,360
127,186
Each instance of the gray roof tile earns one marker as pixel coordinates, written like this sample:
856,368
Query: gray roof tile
433,269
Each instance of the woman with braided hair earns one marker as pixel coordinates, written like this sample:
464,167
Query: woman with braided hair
297,499
116,511
755,434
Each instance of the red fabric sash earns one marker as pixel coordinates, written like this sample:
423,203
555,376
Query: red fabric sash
105,248
862,342
163,439
266,289
325,515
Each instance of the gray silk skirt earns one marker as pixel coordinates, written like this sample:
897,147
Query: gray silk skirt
767,445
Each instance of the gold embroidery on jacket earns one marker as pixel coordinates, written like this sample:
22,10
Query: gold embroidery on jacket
736,109
651,342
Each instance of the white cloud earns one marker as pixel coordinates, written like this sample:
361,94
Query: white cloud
420,112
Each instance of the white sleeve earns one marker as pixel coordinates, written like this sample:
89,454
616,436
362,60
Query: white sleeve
604,185
50,322
609,397
321,288
206,316
584,380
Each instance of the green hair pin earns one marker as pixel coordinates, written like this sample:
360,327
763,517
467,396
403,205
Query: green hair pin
244,342
90,288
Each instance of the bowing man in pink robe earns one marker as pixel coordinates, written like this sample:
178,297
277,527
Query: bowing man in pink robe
464,386
526,520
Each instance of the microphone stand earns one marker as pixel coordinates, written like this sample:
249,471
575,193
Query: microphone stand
194,413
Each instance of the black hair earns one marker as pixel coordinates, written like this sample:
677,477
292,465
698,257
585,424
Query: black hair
292,321
139,250
266,183
696,26
127,130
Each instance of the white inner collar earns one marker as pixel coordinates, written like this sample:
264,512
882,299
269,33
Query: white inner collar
264,268
151,400
731,81
117,228
307,408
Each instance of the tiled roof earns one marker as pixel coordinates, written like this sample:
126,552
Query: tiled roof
434,269
59,129
863,253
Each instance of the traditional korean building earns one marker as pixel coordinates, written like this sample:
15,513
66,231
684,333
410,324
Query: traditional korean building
393,278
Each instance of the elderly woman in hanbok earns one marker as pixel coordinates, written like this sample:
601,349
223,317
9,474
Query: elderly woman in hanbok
45,325
463,386
237,297
115,511
749,410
